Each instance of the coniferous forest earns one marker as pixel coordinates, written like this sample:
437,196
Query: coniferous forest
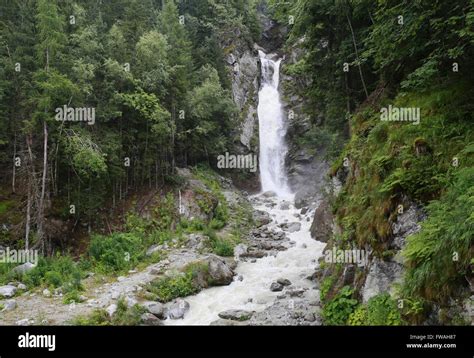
312,161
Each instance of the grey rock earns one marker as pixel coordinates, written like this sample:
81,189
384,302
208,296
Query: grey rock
111,309
155,308
7,291
381,276
276,287
154,248
219,271
284,205
236,315
149,319
284,282
8,305
322,225
269,194
24,268
21,286
293,227
177,309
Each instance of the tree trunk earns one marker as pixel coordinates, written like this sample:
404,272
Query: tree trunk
43,183
357,56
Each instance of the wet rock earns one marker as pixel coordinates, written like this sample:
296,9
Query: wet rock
149,319
276,287
304,210
261,218
284,205
7,291
219,271
293,227
322,225
284,282
300,201
239,250
236,315
269,194
155,308
177,309
296,292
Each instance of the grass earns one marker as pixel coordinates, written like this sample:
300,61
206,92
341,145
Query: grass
124,316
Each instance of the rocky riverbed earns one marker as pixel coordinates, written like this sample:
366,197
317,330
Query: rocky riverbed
272,283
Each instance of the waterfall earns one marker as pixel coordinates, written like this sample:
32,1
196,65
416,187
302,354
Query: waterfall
272,129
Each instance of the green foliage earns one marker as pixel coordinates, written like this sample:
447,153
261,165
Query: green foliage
117,252
170,287
99,317
124,316
438,257
326,285
338,309
381,310
54,272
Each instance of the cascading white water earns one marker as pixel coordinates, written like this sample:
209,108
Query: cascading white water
272,129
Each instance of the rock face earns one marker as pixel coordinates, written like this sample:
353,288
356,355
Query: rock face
322,225
382,275
197,201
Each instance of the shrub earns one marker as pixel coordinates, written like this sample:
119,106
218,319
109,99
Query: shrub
338,310
170,287
116,252
58,271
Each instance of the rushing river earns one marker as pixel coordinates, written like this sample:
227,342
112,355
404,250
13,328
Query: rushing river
253,293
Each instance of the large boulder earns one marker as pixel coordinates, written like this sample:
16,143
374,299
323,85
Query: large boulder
7,291
261,218
155,308
177,309
219,271
322,225
24,268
